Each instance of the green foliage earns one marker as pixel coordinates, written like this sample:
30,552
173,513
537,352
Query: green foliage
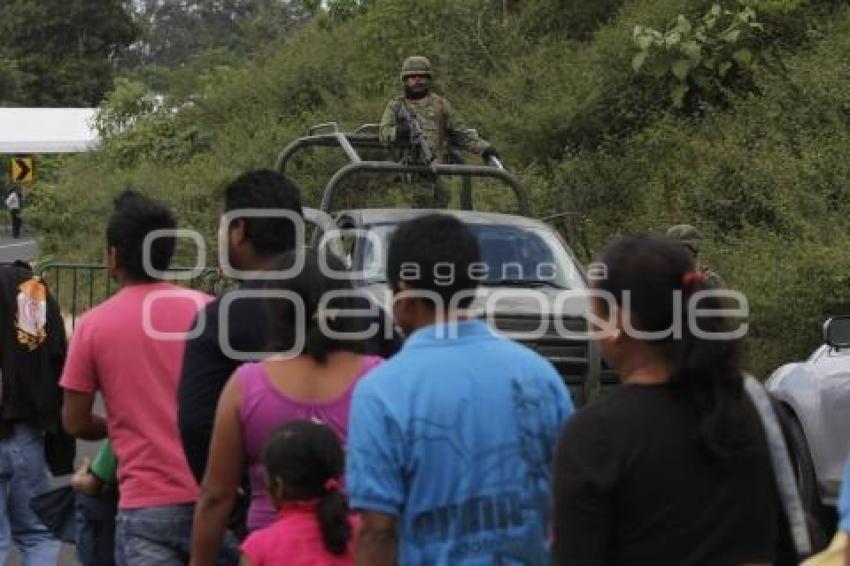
9,81
702,61
343,10
60,52
774,7
175,32
161,140
764,177
571,19
792,287
126,104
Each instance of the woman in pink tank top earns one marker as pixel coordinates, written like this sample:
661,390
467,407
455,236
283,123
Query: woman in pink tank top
311,379
264,407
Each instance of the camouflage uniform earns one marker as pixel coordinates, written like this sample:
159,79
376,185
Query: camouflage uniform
441,125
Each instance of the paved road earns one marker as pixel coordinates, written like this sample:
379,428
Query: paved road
23,248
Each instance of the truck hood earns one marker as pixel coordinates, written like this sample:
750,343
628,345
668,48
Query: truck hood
505,300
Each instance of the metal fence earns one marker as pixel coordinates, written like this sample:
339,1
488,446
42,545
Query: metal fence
78,287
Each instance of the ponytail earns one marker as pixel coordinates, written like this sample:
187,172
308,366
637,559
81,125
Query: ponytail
307,458
707,373
332,512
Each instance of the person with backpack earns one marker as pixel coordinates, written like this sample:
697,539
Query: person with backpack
674,466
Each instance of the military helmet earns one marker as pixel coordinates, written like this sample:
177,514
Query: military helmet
416,65
687,235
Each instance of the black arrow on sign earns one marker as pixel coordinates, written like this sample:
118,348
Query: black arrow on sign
23,170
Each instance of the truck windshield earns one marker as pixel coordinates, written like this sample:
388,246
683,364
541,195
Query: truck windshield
511,256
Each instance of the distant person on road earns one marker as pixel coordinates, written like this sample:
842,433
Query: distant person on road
418,109
311,378
14,202
130,349
451,442
304,464
32,443
673,467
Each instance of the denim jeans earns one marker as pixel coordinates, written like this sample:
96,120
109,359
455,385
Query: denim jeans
161,536
23,475
96,528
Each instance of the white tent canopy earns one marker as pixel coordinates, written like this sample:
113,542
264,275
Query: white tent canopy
46,130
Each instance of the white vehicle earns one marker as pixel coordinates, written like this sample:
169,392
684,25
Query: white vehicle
815,398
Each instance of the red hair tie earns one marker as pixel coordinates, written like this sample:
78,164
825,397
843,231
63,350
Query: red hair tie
691,277
332,485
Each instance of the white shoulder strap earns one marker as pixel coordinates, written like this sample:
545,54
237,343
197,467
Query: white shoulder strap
782,469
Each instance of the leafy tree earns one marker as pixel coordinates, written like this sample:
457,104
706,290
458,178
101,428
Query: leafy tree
128,103
709,58
8,80
175,32
575,19
61,51
765,178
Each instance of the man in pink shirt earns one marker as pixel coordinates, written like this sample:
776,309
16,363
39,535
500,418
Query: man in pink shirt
130,349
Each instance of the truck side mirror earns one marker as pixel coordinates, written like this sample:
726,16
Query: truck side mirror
836,332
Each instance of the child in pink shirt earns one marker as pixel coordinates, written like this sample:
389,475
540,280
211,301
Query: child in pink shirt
304,461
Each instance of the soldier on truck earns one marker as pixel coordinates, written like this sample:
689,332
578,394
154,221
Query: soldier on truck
425,125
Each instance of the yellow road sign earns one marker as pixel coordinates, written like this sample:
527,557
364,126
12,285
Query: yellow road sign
22,169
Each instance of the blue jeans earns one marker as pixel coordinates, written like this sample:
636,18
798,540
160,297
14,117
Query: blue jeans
23,475
96,528
160,536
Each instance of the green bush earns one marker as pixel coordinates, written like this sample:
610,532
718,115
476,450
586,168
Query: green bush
766,178
774,7
792,287
703,60
568,19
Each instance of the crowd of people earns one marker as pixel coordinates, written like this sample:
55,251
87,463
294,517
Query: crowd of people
452,446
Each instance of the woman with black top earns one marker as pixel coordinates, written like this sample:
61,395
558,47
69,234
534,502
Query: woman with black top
672,467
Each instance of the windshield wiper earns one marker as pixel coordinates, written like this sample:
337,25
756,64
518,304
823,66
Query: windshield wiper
521,283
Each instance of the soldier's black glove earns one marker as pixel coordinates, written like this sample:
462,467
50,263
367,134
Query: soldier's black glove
490,152
402,133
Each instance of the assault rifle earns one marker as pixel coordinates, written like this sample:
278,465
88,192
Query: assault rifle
420,150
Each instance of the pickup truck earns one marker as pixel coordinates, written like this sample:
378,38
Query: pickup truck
533,290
